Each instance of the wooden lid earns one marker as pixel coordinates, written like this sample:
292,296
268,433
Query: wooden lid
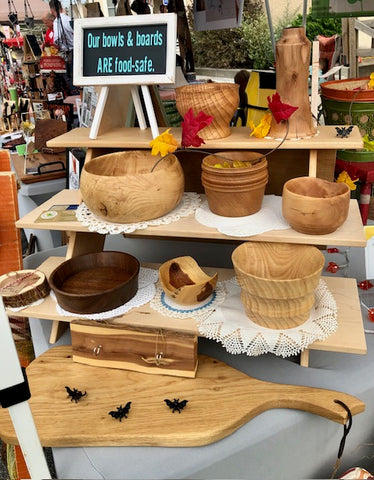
23,287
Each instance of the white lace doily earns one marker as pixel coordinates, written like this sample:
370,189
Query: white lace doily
189,203
146,291
268,218
229,325
165,305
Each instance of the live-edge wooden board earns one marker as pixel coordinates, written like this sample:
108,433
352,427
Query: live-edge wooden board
351,233
349,338
220,400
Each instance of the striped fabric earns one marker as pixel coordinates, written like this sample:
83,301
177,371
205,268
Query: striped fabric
342,8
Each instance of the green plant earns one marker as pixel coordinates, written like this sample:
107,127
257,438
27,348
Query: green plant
319,26
248,46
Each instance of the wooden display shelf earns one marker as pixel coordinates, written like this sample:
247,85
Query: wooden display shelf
326,139
351,233
349,338
219,400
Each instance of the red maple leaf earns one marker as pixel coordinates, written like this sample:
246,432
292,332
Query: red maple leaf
280,111
191,126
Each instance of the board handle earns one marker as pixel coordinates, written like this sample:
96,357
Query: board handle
318,401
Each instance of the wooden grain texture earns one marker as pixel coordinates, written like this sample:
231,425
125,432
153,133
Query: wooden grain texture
10,236
47,129
123,186
234,192
220,100
349,337
4,161
220,400
314,206
239,139
292,72
350,233
278,281
158,350
23,287
95,282
185,282
38,160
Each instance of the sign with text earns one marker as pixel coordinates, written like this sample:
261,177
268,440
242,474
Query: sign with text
137,49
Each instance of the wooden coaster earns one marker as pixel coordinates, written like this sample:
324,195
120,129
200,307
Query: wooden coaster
23,287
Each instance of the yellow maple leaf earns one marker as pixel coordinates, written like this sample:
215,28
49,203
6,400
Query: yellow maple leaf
262,128
164,144
345,178
371,82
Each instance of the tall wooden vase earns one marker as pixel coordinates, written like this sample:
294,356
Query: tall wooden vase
292,69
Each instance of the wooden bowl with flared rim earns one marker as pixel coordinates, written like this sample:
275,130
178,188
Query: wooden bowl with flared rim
219,100
185,282
315,206
236,191
278,270
96,282
121,187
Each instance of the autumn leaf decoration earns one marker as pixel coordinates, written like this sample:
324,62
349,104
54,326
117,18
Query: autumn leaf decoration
191,126
164,144
281,111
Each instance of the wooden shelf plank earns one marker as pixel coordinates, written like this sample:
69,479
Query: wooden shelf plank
239,139
351,233
349,337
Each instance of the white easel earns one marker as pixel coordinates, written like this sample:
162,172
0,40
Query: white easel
14,392
117,90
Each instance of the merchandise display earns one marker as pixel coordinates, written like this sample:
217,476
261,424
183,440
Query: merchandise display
156,337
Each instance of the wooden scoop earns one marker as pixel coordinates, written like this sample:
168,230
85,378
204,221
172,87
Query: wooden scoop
220,400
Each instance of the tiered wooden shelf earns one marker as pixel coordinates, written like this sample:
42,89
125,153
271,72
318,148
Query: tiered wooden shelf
320,151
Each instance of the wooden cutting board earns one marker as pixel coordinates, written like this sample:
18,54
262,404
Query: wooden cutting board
220,400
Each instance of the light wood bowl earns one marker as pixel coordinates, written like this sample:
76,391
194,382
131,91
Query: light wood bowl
219,100
315,206
96,282
234,192
278,281
185,282
120,187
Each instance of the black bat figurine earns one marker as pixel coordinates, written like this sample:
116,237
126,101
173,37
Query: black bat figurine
176,405
343,132
75,394
121,412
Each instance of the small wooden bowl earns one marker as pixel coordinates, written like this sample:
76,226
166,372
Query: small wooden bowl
185,282
220,100
278,281
121,187
96,282
315,206
234,192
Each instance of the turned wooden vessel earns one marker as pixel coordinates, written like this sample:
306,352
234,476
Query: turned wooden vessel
220,100
95,282
278,281
292,72
235,192
122,187
185,282
23,287
315,206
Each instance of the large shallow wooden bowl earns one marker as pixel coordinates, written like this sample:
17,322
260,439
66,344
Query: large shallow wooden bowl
96,282
185,282
220,100
315,206
121,187
278,281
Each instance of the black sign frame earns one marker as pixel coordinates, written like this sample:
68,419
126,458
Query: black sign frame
133,49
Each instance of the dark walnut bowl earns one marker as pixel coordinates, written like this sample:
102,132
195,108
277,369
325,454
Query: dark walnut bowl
96,282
